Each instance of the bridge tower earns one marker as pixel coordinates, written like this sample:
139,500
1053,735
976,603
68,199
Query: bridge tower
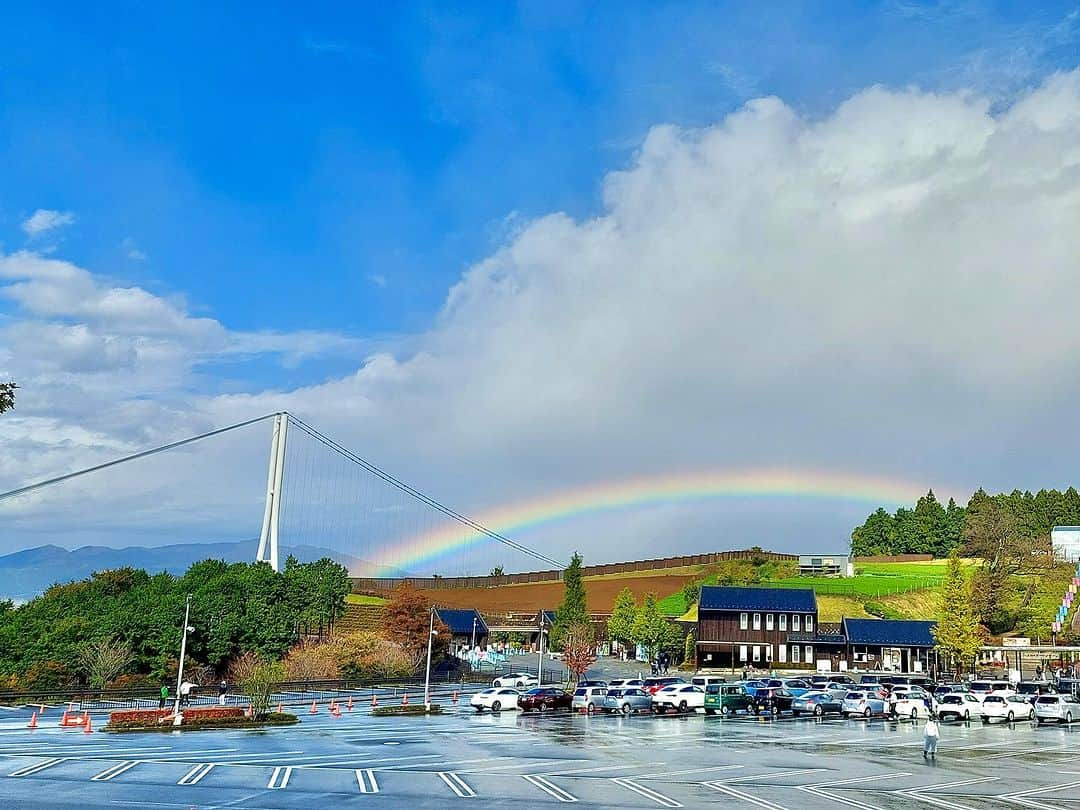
268,538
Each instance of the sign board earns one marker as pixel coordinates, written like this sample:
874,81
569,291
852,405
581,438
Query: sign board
1015,641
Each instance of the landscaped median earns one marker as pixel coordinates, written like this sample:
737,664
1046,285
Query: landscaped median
415,708
162,719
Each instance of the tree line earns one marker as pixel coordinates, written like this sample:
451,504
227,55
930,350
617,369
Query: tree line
933,528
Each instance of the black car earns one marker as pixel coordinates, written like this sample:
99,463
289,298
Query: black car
544,699
772,700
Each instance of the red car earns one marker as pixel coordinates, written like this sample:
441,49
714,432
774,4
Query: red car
544,699
654,685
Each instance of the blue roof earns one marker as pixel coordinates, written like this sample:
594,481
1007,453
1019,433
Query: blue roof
889,632
780,600
460,622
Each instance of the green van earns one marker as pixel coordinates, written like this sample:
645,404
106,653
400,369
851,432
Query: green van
727,698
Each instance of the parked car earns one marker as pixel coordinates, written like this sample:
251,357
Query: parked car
959,706
628,701
681,697
863,702
983,688
626,683
591,682
948,688
912,702
516,679
496,699
656,683
797,686
754,684
588,698
706,680
772,700
818,702
1063,708
1030,690
727,698
832,679
996,707
544,699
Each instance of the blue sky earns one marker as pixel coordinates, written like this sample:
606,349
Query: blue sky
269,206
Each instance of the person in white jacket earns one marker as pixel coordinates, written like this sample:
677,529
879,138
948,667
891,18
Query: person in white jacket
930,739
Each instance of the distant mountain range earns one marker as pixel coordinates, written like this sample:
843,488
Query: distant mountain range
25,574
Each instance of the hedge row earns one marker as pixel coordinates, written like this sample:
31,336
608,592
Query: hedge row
412,708
229,721
144,716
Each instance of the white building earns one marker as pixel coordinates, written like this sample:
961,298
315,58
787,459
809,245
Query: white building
830,565
1066,542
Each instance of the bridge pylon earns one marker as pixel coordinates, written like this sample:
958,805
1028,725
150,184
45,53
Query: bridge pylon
275,476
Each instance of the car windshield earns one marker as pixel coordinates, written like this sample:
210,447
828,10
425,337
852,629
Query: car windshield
713,689
1028,689
1046,699
535,692
854,696
615,692
994,699
980,686
951,699
580,692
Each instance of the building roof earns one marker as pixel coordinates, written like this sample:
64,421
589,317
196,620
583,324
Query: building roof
889,632
460,622
779,600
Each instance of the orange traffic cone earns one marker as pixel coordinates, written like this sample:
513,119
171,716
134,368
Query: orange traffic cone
279,709
314,709
87,729
64,719
405,699
455,697
249,713
33,721
349,704
374,701
41,710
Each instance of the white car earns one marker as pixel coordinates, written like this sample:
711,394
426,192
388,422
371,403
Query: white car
682,697
1063,708
626,683
518,680
1013,707
959,706
983,688
497,699
913,703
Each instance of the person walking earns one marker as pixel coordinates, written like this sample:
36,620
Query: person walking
164,696
930,738
223,690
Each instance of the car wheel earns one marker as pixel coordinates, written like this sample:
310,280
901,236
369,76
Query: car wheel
775,710
626,708
914,714
1068,717
496,706
590,708
1011,717
1031,715
967,715
866,712
682,706
818,711
724,710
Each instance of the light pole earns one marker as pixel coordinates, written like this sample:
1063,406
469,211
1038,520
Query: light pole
540,654
427,675
183,652
473,646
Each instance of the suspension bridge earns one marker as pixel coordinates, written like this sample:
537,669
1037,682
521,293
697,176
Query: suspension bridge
319,496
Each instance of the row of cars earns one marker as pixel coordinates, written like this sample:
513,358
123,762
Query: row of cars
872,695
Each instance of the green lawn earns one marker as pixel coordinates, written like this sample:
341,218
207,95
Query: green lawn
363,599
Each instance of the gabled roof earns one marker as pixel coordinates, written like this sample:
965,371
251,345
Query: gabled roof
889,632
781,600
460,622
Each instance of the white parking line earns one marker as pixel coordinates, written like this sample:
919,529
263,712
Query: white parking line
550,789
365,778
457,784
1022,797
692,770
114,771
37,767
196,774
592,770
280,778
648,793
720,787
819,789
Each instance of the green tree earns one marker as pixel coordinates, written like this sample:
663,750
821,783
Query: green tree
572,610
257,678
620,626
650,627
689,649
497,571
876,536
7,396
102,661
957,630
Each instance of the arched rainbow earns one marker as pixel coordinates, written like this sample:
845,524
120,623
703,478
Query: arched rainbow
416,553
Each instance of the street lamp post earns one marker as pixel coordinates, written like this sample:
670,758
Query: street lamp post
540,654
183,652
427,675
473,646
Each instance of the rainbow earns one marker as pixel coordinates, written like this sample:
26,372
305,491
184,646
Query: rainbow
416,553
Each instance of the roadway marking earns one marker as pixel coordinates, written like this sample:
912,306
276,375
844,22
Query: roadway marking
648,793
1021,797
280,778
819,789
550,789
196,773
692,770
114,771
457,784
590,770
365,778
720,787
37,767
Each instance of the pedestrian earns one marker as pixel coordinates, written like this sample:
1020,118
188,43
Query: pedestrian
164,696
223,690
1038,672
930,738
185,693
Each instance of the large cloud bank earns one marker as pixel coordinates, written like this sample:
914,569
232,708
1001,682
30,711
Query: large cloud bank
886,290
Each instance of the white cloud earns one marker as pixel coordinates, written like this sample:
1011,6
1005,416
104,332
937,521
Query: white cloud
884,290
132,250
378,279
44,220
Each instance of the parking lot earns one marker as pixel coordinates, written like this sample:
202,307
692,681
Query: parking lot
530,760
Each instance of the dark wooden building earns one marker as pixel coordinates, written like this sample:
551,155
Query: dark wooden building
740,627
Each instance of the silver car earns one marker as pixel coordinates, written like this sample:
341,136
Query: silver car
1063,708
627,701
864,704
588,698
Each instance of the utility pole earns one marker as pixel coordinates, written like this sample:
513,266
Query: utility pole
473,647
427,675
183,652
540,653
